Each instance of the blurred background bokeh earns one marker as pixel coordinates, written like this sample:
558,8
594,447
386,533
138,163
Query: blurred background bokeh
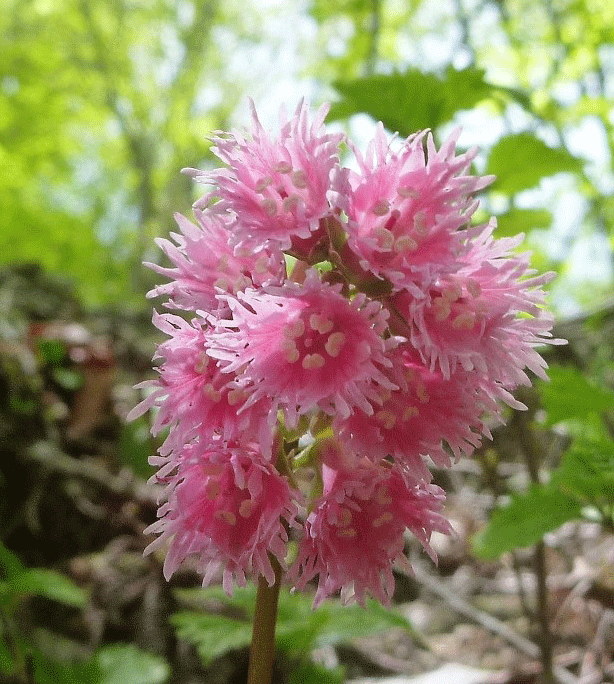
102,103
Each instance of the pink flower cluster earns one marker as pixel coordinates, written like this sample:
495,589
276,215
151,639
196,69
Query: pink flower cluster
345,330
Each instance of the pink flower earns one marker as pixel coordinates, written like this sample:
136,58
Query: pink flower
305,347
229,508
487,317
405,209
205,264
276,190
350,321
193,396
354,534
426,413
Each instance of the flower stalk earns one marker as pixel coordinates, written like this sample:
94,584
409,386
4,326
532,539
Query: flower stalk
262,650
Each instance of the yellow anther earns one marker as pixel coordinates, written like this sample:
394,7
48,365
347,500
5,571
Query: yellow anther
201,364
334,343
299,179
294,329
247,507
211,393
381,207
405,244
382,497
442,309
410,412
452,292
345,517
407,192
227,516
262,184
235,396
420,223
269,206
313,361
212,489
464,321
386,418
321,323
291,202
384,237
291,353
421,393
473,287
383,519
222,283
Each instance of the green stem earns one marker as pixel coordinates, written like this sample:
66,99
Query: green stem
262,651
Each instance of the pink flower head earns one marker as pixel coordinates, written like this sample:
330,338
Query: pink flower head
205,264
398,331
426,413
193,395
487,317
305,347
406,208
277,190
354,533
229,508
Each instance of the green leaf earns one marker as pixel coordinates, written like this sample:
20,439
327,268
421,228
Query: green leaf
49,671
299,627
51,584
521,160
517,221
6,657
411,101
135,446
121,664
570,394
10,563
306,672
213,635
587,471
350,622
51,351
525,520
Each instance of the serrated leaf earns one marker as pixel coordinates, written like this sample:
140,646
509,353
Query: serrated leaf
525,520
411,101
587,471
569,394
299,627
120,664
213,635
517,221
50,584
350,622
521,160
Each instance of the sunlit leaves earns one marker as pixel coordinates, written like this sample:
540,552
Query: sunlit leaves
525,520
412,100
582,486
517,221
521,160
571,395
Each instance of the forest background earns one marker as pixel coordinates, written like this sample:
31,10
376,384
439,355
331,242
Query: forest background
101,105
